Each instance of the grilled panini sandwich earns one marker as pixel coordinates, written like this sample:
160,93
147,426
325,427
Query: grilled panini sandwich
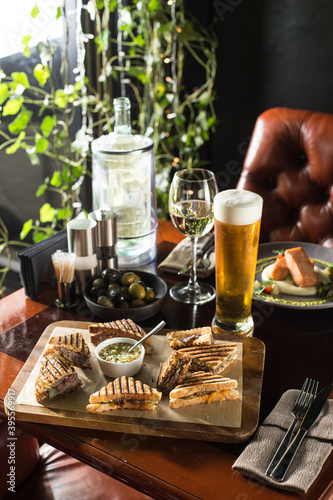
201,387
172,371
73,347
121,328
124,392
56,377
188,338
212,359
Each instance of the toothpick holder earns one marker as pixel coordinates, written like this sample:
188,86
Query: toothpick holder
67,295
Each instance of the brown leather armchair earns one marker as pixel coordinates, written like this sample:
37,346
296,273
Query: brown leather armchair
290,164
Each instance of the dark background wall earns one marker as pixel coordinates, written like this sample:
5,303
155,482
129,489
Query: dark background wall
271,53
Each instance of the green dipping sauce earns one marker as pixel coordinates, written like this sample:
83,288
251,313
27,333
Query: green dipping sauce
118,353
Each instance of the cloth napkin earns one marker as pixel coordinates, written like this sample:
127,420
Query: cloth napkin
308,461
181,254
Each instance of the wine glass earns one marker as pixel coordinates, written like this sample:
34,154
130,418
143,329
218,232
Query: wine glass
191,208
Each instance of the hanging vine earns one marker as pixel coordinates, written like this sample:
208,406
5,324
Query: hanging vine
145,60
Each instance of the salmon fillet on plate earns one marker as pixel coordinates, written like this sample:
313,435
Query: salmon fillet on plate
301,267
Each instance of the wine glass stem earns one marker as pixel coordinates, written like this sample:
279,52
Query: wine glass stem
192,282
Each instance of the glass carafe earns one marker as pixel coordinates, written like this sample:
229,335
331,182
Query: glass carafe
123,169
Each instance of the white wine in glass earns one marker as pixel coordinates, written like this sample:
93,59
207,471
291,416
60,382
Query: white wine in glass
191,208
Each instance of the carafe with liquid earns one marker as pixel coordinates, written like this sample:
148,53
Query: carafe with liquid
123,170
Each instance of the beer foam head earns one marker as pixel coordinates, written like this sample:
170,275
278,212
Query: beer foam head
238,207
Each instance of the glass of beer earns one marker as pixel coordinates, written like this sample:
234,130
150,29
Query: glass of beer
237,221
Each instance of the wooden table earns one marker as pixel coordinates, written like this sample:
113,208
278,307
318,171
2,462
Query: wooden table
298,344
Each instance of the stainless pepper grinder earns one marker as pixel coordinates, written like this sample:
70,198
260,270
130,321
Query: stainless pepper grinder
106,238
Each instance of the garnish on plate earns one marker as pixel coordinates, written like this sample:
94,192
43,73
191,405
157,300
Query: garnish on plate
325,290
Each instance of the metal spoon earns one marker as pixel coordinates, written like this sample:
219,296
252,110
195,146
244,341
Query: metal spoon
154,330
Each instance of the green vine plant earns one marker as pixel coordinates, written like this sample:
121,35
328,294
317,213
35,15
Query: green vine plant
5,249
156,41
41,126
146,58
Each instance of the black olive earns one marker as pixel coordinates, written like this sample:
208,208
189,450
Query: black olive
114,293
94,291
123,304
102,292
124,293
111,275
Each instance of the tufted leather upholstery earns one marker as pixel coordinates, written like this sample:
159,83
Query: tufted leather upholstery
290,164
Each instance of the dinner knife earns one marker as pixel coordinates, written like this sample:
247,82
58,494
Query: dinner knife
205,246
309,419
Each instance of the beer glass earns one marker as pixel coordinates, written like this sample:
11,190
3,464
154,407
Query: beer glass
191,203
237,221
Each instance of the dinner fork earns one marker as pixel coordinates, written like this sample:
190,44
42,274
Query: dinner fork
301,406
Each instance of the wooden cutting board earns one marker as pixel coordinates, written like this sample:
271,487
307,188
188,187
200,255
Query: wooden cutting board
227,421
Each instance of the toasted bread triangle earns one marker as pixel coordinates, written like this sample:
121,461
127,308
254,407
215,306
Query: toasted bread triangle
202,382
195,336
55,373
214,358
120,328
126,388
73,347
73,341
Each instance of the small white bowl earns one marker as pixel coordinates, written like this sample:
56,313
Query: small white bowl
115,370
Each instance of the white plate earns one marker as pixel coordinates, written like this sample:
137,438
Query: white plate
266,256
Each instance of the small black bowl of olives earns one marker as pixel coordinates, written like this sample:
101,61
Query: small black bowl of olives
116,294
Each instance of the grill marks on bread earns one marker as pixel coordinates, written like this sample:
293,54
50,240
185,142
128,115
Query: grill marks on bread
120,328
73,341
125,325
57,374
172,371
203,388
56,377
213,359
53,367
192,337
124,387
124,393
73,347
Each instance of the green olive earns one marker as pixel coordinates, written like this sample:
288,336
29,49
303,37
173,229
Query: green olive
99,282
150,296
136,291
113,286
128,278
104,301
141,283
137,303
